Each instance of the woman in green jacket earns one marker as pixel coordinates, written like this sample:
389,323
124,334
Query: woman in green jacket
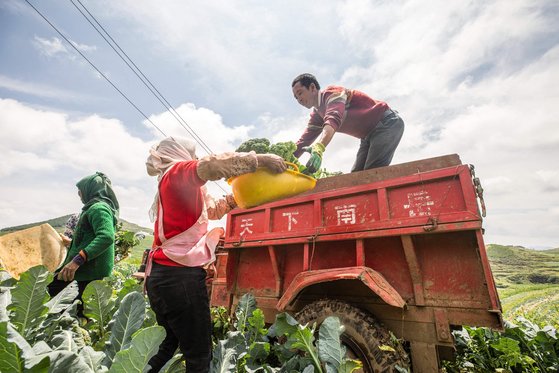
91,251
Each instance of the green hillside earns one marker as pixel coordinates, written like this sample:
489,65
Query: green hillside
552,251
514,265
527,281
58,224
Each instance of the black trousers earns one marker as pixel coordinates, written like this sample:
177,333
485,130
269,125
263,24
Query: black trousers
56,286
179,298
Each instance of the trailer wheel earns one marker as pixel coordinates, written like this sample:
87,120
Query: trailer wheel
362,337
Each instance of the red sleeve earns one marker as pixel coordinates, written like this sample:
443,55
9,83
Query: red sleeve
179,191
313,130
334,99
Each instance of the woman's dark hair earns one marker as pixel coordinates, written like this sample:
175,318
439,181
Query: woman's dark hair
306,80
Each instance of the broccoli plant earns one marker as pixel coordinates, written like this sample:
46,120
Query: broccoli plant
43,334
286,346
124,242
284,150
258,145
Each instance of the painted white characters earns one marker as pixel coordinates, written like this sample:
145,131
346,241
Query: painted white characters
245,225
345,214
291,221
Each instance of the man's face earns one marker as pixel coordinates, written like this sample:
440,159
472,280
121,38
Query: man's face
308,97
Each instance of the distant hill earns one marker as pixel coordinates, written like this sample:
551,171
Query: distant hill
58,224
551,251
527,282
518,265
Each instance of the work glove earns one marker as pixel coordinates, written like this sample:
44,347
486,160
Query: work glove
273,162
315,160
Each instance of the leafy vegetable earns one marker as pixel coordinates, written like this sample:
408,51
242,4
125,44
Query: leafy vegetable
29,296
284,150
98,304
521,348
253,348
258,145
127,320
124,242
54,341
145,343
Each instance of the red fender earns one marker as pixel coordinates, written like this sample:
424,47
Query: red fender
373,279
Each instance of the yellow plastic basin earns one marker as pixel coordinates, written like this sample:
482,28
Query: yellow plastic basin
263,186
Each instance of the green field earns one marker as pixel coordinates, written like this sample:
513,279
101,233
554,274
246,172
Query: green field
527,282
137,252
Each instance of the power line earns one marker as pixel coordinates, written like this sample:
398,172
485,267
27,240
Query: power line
96,69
138,72
104,76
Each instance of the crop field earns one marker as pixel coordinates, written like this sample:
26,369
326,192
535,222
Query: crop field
137,252
527,282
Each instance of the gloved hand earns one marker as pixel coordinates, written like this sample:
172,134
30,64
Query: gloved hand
315,160
273,162
230,199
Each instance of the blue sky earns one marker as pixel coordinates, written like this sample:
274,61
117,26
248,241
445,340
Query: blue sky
477,78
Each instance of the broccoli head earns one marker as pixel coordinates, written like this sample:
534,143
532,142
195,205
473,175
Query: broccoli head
284,150
258,145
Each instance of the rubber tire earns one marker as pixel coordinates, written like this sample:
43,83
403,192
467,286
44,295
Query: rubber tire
363,334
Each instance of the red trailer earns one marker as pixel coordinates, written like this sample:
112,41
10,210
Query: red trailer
396,249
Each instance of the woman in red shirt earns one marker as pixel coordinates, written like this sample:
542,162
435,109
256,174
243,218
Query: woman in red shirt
183,247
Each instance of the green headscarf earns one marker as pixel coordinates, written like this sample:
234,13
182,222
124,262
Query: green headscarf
97,188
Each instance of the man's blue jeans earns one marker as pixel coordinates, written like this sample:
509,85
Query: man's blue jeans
378,147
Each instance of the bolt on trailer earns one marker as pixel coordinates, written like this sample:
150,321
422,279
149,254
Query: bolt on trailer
396,251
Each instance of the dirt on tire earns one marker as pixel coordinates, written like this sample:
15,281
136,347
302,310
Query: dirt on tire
363,335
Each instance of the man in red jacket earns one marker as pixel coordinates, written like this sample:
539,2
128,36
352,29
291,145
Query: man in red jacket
183,247
338,109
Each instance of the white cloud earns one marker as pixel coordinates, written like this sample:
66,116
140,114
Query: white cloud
41,199
468,79
205,123
56,47
26,161
84,47
41,90
92,143
45,153
237,51
50,47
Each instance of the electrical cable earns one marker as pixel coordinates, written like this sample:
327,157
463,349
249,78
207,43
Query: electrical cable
96,69
104,76
137,71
